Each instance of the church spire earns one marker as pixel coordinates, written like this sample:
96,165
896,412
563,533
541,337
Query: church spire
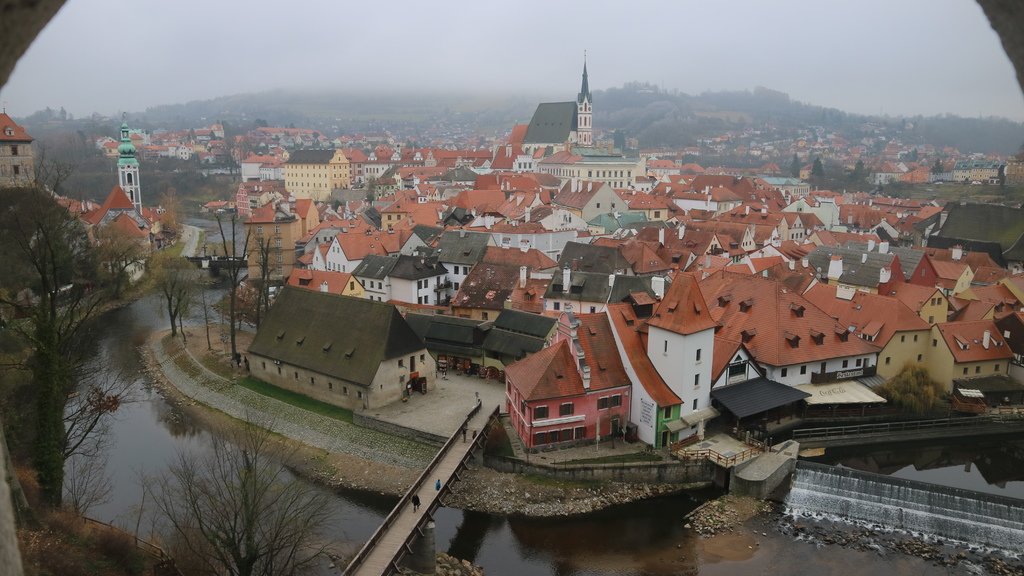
585,87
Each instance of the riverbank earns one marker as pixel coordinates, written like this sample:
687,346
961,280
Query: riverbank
341,455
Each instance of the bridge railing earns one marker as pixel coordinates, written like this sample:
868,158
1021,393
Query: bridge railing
360,556
890,427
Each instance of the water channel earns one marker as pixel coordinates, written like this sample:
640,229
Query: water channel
645,538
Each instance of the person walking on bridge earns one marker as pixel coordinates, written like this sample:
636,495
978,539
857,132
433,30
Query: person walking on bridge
415,502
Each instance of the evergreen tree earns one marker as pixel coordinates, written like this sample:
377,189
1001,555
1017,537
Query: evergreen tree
937,167
818,170
858,173
794,167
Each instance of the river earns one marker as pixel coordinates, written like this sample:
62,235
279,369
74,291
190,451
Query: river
644,538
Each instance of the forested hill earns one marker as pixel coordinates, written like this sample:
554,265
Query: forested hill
654,116
660,118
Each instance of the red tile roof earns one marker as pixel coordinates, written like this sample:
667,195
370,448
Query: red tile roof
18,134
683,309
965,341
549,373
879,317
600,352
761,312
627,328
336,282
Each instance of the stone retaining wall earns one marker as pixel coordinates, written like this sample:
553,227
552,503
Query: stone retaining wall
397,430
649,472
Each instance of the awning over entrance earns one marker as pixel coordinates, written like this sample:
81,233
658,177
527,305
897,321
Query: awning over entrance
675,425
848,392
756,396
699,416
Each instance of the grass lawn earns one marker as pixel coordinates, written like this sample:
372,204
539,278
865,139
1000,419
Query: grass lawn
297,400
619,458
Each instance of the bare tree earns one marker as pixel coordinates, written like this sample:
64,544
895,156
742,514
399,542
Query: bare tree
263,288
119,254
234,271
86,411
46,253
236,511
175,278
86,483
50,171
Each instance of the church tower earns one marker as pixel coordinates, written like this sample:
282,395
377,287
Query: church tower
584,134
128,168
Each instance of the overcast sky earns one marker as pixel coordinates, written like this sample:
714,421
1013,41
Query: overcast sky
869,56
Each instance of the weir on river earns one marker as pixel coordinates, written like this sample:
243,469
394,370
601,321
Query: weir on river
955,513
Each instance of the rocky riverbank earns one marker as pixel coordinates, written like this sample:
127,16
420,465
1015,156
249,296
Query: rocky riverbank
486,490
449,566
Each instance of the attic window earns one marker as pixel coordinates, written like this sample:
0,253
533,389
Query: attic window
793,339
818,337
724,300
592,331
797,309
280,335
300,340
350,352
746,304
672,305
327,346
748,334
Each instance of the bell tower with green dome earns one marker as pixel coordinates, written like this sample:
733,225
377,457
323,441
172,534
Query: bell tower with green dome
128,168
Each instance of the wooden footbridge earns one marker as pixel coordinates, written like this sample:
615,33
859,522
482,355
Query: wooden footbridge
383,552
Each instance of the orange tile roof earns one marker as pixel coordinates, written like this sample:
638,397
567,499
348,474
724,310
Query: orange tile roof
600,352
761,312
18,134
879,317
549,373
627,328
683,309
965,341
336,282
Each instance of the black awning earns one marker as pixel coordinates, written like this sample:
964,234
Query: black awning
756,396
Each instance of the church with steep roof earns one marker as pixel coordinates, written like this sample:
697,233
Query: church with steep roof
558,126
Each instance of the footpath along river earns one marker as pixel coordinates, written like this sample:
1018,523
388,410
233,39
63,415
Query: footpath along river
643,538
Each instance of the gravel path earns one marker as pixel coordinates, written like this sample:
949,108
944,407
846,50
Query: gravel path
190,237
312,429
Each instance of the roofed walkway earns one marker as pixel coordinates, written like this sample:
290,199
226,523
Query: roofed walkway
383,552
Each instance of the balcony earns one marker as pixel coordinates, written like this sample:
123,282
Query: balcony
443,286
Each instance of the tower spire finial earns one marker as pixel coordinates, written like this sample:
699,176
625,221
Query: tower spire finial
585,86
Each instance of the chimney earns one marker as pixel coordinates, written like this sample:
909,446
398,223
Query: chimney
585,369
884,275
661,236
835,268
864,258
957,252
871,244
804,262
488,221
566,278
611,280
527,217
707,261
524,246
658,286
462,233
986,339
681,230
522,276
792,264
883,247
746,210
764,211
